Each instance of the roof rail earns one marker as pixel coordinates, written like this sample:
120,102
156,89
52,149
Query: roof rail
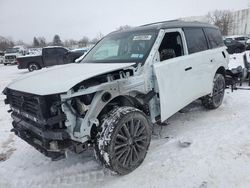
154,23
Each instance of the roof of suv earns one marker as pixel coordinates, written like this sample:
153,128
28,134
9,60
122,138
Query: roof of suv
168,25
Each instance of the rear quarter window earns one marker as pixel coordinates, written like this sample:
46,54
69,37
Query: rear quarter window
214,37
196,40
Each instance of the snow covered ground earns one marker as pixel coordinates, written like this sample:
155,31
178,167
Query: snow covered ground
219,154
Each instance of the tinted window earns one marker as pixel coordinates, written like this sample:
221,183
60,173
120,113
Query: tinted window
214,37
196,40
50,51
61,51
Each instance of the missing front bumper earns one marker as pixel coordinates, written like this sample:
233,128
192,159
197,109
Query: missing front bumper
51,143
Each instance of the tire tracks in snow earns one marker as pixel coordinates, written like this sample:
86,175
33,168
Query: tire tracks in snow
7,148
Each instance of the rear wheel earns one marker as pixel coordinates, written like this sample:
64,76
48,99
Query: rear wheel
124,139
214,100
33,67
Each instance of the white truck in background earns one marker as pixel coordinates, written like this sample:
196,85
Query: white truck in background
12,53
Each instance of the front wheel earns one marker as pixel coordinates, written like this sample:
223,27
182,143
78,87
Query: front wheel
33,67
214,100
124,139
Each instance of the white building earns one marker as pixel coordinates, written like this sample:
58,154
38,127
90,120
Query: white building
241,22
240,25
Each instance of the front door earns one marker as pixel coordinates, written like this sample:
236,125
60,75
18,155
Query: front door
173,73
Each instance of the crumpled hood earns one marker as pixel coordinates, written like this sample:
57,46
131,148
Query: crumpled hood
60,79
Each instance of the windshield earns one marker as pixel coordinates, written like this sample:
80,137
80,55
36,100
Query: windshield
122,47
12,50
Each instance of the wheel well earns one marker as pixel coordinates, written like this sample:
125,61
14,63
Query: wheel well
34,63
123,100
221,70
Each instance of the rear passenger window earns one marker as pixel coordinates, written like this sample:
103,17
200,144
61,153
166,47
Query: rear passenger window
196,40
214,37
50,52
61,51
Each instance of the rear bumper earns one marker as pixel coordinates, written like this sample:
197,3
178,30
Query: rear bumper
52,143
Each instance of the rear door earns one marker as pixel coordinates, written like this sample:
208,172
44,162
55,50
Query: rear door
202,61
50,56
61,56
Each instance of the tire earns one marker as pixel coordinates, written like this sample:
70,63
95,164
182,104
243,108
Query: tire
214,100
33,67
123,141
5,64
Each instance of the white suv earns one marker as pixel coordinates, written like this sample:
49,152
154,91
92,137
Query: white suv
128,82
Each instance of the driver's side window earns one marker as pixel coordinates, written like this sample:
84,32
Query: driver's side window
171,46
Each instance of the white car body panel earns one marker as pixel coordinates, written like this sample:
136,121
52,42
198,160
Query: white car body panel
173,88
62,78
194,79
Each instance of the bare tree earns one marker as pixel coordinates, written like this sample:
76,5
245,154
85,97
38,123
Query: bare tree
5,43
123,27
42,41
223,19
94,40
71,43
84,41
20,42
98,37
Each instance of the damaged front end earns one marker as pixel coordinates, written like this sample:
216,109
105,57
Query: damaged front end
57,123
42,128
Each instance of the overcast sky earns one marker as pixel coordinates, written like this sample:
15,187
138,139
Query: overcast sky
24,19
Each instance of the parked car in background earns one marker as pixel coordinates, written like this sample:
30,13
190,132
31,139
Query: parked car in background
127,83
1,57
50,56
11,54
244,39
240,38
233,46
80,51
85,50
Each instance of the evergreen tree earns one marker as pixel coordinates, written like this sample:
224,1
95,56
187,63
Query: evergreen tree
35,42
57,41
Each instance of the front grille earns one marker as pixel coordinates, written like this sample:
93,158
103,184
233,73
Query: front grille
11,57
26,103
